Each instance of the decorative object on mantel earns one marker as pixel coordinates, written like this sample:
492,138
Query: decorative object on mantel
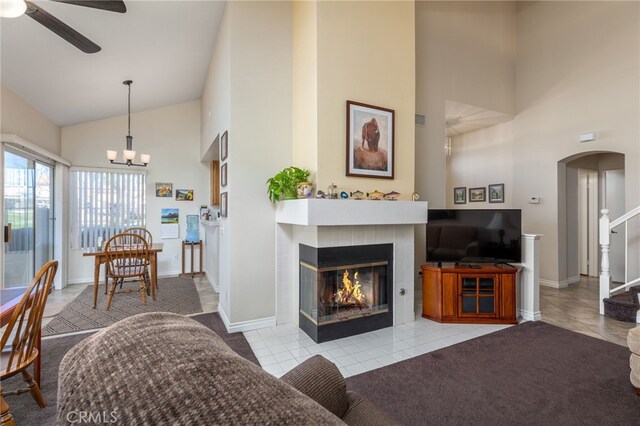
284,183
496,193
320,194
129,155
224,146
332,191
415,196
344,195
184,194
304,189
392,196
370,141
164,189
477,195
357,195
375,195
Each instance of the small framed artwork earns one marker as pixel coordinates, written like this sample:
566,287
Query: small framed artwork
184,194
496,193
224,146
370,141
223,175
164,189
477,195
214,170
460,195
224,204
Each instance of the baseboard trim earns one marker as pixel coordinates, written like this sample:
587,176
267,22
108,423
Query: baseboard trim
559,284
530,316
214,284
245,325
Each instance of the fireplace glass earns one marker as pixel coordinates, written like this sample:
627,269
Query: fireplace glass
338,293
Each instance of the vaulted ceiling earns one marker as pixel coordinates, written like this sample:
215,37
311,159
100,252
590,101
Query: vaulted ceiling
163,46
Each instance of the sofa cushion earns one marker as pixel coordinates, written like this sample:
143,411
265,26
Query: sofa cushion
162,368
320,380
364,412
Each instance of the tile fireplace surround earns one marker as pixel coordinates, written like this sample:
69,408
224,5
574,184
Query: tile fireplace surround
339,223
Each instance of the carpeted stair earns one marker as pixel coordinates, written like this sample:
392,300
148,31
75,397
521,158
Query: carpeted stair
623,306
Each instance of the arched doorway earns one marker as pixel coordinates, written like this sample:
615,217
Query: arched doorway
587,183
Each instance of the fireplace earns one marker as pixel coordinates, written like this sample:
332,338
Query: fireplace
345,290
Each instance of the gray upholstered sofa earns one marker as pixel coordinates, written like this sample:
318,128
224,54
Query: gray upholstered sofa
161,368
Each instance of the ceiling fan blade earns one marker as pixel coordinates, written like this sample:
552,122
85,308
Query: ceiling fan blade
60,28
110,5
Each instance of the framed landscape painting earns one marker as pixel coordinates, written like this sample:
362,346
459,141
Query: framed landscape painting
164,189
184,194
460,195
477,195
370,141
496,193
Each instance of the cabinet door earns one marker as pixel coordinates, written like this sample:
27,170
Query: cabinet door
449,295
477,295
508,296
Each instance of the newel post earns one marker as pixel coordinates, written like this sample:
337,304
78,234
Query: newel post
605,276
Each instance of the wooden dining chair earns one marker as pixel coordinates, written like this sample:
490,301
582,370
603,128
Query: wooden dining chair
127,256
24,328
148,237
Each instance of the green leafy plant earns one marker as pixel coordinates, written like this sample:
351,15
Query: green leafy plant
284,183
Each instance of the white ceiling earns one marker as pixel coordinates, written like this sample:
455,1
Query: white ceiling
163,46
463,118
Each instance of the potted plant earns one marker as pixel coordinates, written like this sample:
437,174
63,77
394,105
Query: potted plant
285,182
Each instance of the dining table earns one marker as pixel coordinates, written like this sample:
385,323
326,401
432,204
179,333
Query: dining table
100,257
10,298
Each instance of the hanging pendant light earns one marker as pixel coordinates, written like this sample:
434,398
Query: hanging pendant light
129,155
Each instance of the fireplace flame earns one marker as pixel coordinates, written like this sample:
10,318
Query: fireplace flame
350,292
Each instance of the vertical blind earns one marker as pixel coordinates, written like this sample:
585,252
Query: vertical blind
105,203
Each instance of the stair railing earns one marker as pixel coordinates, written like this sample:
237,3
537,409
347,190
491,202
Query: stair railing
606,228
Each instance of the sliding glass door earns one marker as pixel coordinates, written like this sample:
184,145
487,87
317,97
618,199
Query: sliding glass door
28,217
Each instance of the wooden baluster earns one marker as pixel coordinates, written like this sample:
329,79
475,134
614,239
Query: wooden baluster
605,276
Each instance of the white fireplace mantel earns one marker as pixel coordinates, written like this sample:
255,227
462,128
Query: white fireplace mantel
322,212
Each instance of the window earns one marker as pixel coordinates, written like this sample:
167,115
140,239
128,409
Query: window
105,203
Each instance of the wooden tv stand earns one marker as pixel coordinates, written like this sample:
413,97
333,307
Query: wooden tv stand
461,294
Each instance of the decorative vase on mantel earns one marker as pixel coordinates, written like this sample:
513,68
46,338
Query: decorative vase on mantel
304,190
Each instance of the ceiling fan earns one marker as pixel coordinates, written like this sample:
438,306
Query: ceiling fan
15,8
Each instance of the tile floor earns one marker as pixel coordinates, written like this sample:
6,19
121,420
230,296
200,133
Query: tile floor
280,348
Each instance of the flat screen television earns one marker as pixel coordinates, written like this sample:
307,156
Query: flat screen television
474,236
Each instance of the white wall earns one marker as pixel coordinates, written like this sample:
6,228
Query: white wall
172,136
253,59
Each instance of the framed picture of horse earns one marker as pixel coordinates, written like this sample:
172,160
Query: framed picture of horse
370,140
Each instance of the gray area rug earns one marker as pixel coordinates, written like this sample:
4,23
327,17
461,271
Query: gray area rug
177,294
530,374
26,411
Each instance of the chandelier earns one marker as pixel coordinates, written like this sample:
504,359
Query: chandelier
129,155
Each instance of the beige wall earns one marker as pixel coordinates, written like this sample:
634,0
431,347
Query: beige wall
577,71
465,52
172,136
482,158
305,86
19,118
366,53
